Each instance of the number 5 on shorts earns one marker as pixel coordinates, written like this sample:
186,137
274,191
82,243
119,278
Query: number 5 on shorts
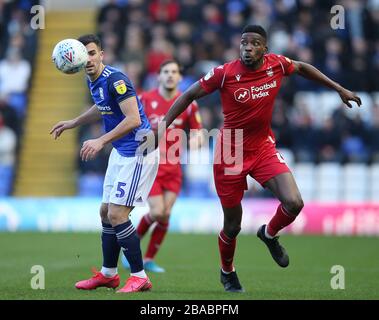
120,189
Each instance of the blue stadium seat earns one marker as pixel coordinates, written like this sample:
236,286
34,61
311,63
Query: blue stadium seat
329,182
90,185
355,185
199,189
6,179
18,101
305,175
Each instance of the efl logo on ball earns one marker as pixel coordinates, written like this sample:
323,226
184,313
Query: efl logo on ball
70,56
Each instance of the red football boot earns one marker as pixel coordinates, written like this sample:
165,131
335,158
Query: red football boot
135,284
98,280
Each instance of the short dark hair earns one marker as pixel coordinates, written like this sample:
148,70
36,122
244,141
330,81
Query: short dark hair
256,29
88,38
168,61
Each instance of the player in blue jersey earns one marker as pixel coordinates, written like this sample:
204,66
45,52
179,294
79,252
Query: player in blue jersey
129,176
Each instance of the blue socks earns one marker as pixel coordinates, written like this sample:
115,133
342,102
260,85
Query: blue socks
111,248
130,243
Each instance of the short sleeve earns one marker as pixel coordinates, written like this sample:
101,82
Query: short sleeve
120,87
287,64
194,116
213,80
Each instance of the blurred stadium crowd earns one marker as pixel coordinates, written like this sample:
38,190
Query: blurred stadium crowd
310,122
18,46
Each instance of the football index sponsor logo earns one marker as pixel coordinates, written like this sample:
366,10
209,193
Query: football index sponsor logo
242,95
262,91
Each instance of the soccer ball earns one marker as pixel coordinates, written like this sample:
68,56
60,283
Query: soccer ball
70,56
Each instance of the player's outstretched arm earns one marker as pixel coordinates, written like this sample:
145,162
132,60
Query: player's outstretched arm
91,115
192,93
310,72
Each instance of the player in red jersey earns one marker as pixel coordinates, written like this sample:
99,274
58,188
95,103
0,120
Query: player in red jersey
248,87
168,182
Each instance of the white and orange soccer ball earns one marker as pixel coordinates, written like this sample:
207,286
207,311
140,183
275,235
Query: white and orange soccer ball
70,56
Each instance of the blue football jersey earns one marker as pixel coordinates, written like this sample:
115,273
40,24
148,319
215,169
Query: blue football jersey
107,91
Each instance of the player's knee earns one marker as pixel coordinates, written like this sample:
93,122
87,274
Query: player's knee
164,217
294,205
115,218
157,212
232,231
118,214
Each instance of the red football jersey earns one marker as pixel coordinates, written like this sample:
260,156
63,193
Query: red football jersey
248,96
156,107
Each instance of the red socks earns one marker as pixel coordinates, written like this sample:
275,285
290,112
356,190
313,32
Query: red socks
226,247
280,220
144,225
156,239
157,236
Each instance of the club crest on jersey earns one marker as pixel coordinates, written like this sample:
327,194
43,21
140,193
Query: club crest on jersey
154,104
120,86
101,93
270,72
238,77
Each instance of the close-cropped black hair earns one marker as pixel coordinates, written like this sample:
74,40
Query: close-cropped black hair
255,29
88,38
166,62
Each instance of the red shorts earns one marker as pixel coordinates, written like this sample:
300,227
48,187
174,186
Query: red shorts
169,178
261,164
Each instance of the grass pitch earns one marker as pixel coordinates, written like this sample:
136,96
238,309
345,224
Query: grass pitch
192,267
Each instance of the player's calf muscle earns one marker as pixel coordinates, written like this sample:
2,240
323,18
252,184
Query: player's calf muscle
157,211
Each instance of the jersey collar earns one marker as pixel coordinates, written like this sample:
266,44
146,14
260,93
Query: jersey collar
99,76
244,67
